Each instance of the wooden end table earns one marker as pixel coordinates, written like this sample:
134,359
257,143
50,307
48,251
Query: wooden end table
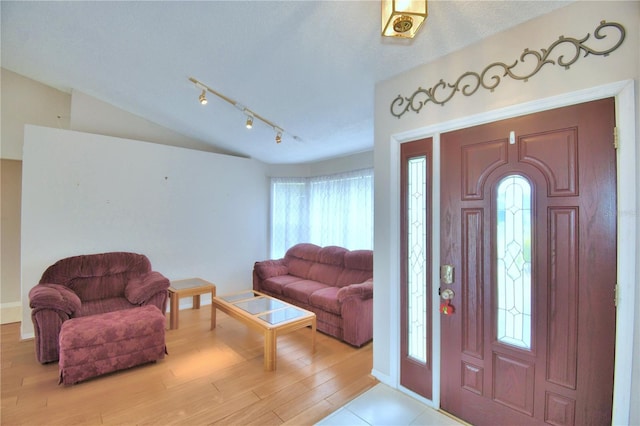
189,287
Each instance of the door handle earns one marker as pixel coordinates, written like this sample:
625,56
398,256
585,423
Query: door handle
447,294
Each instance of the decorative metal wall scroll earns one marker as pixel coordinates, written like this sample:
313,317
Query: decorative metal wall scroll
469,82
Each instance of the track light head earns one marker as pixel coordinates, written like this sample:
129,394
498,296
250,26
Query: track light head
249,123
279,136
203,98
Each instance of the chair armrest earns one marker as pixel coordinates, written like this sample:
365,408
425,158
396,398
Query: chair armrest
362,290
54,296
270,268
141,288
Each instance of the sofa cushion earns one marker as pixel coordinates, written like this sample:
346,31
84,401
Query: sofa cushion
97,276
332,255
299,267
326,274
359,259
95,265
326,299
300,258
302,290
358,267
276,284
95,307
304,251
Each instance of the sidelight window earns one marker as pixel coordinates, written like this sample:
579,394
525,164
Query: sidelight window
513,255
417,257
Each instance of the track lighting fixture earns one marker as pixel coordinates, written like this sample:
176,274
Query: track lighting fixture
251,115
203,98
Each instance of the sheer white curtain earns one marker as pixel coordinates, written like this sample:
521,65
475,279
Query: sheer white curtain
324,210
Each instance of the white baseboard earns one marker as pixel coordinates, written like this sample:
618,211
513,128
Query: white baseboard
383,378
10,312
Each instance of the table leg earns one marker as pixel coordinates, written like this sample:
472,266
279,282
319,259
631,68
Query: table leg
196,301
173,318
313,335
213,309
270,350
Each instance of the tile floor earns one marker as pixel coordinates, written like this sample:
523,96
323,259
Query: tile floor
383,405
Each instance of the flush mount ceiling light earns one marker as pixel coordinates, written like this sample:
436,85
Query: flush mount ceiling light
403,18
250,115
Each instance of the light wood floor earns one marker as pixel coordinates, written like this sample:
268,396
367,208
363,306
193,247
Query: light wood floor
209,377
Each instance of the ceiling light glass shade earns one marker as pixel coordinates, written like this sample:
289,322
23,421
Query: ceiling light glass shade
249,123
279,137
203,98
403,18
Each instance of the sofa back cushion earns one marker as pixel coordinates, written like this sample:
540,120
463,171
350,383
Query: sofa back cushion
329,266
300,258
358,267
97,276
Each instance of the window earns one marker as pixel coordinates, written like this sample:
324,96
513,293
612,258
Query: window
417,250
513,253
324,210
415,266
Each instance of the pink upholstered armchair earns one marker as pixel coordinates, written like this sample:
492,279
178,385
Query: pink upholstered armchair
88,285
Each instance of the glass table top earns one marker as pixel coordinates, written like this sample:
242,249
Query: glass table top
282,315
268,309
238,296
259,304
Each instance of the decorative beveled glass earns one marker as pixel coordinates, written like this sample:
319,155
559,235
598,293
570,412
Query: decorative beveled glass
513,255
417,257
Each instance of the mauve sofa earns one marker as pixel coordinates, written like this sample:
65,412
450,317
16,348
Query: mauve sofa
88,285
333,282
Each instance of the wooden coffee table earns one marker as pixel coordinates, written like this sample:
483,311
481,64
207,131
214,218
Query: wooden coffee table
190,287
267,315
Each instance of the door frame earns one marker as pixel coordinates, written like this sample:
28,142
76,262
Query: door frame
624,94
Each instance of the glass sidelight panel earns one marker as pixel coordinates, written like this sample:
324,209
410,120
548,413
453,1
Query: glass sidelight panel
513,255
417,257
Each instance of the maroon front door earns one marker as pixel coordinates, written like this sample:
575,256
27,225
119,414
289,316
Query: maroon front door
528,214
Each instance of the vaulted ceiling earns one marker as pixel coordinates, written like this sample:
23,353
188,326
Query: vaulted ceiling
308,66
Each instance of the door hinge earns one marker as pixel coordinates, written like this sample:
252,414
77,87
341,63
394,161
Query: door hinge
615,138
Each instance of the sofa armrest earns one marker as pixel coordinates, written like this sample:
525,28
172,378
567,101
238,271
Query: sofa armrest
270,268
141,288
54,296
362,290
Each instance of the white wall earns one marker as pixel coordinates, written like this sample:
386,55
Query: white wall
192,213
510,98
92,115
347,163
23,101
